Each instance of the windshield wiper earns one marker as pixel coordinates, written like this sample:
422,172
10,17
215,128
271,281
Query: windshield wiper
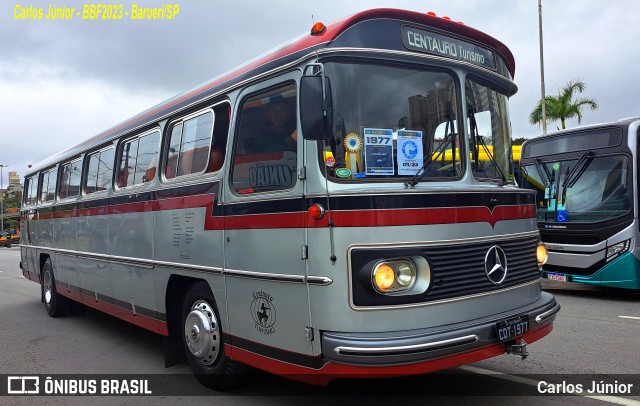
546,177
449,138
477,137
578,170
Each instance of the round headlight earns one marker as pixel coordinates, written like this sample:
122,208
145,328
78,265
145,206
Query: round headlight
541,254
405,275
383,277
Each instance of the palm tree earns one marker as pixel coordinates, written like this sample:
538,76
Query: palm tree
563,106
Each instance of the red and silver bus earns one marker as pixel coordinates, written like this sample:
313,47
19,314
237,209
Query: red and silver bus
300,214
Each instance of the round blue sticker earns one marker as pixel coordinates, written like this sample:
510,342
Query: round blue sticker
409,149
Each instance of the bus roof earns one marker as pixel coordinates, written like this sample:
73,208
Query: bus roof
288,52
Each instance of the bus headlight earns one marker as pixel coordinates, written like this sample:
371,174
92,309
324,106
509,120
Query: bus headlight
383,277
617,249
541,254
393,276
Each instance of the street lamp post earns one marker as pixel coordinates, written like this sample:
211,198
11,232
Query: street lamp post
1,200
543,102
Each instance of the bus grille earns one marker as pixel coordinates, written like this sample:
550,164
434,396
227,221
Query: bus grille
577,239
458,270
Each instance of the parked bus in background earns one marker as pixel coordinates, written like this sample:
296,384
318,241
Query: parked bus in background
587,208
266,218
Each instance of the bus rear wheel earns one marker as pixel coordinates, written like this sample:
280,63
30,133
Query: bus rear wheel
202,340
55,304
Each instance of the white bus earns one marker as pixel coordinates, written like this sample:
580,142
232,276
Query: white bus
296,216
585,180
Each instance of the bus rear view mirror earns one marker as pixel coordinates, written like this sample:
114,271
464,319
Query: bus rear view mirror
315,108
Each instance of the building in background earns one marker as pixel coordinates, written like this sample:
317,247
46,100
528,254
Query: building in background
15,188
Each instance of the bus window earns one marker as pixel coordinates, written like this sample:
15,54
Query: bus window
31,191
99,171
48,188
70,180
189,145
265,155
136,159
220,136
489,138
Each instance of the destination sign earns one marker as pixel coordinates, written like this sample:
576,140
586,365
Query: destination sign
441,45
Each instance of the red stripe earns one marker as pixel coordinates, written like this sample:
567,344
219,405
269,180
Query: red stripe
341,218
383,218
274,220
331,371
449,215
188,202
149,323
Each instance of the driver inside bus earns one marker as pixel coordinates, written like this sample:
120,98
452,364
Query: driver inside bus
280,134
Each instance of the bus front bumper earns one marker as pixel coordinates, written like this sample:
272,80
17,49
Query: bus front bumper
404,347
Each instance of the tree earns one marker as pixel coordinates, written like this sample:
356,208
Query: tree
518,141
563,106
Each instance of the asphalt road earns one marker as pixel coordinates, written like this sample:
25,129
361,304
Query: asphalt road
596,332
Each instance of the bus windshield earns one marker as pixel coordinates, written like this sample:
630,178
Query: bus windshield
389,120
395,122
585,189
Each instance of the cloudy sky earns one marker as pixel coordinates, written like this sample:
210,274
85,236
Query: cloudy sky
64,81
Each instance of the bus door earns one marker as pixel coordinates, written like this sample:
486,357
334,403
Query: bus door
264,222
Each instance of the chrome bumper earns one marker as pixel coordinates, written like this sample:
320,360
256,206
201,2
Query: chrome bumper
424,345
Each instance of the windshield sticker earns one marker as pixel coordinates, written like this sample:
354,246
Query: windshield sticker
378,151
409,152
561,213
353,147
329,159
343,173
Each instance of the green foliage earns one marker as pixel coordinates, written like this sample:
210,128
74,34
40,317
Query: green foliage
564,106
518,141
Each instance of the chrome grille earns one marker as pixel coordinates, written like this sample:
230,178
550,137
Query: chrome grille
458,270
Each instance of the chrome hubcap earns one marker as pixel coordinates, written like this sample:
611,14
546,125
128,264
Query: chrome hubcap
202,333
47,288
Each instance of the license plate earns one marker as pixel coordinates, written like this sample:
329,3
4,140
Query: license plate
508,329
560,277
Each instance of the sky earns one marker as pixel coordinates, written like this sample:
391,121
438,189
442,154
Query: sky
63,81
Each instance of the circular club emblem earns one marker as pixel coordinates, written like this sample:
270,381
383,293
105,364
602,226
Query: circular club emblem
263,311
409,150
495,265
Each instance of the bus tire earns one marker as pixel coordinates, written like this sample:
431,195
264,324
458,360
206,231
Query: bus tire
55,304
202,340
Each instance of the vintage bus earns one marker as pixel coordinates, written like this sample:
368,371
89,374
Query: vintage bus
587,208
266,218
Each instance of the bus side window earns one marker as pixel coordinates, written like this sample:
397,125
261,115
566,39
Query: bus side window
265,153
189,146
99,171
220,137
138,156
69,180
49,180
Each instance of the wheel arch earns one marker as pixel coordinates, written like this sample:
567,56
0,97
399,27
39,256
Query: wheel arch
177,288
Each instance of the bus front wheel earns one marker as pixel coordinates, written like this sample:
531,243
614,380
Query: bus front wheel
55,304
202,340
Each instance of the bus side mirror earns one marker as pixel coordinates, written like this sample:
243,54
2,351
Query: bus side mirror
315,108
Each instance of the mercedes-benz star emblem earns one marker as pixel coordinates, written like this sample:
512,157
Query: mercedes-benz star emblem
495,265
